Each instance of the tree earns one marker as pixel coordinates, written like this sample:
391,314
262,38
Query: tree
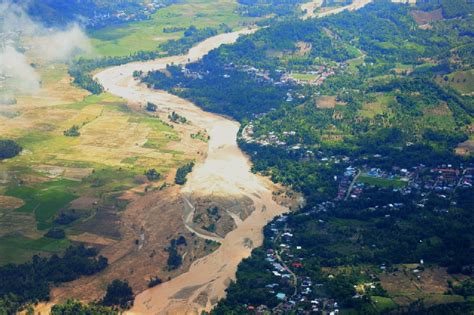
119,293
56,233
72,132
73,307
182,172
151,107
174,259
9,149
31,281
152,174
154,282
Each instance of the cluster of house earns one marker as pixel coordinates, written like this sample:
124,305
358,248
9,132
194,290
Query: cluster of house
294,292
269,139
442,182
127,14
345,183
273,139
421,182
297,293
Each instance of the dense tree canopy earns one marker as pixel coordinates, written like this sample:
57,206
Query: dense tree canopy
9,149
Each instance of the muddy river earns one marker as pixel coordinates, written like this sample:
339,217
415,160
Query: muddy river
225,172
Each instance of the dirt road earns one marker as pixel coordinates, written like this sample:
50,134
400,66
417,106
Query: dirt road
225,173
310,7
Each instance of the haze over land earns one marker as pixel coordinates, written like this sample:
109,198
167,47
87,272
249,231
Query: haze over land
24,42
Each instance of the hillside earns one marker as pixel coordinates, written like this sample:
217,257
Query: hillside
347,109
92,13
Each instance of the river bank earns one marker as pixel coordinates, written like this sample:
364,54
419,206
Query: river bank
225,173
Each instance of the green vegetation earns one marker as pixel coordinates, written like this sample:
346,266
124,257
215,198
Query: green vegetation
192,36
261,8
84,80
241,81
456,8
176,118
175,259
56,233
31,281
72,132
465,288
44,186
119,293
9,149
44,200
462,81
152,174
201,135
391,113
154,282
18,249
182,172
94,13
151,107
73,307
149,34
382,182
358,243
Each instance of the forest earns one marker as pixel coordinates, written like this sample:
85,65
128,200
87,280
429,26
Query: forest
92,13
30,282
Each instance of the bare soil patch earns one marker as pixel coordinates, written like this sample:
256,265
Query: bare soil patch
10,203
83,203
92,239
77,174
407,285
304,48
146,228
327,101
441,110
423,17
465,148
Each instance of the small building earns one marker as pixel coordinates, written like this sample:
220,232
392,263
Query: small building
281,296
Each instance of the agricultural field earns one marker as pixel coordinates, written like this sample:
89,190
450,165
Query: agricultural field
378,107
147,35
462,81
407,284
66,181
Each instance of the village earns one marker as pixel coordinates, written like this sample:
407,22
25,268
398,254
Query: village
127,14
295,291
281,77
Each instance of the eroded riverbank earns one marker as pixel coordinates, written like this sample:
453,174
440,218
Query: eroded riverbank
225,173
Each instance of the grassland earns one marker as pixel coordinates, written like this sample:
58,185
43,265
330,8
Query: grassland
17,249
43,200
89,174
378,107
303,76
147,35
383,303
382,182
462,81
115,147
